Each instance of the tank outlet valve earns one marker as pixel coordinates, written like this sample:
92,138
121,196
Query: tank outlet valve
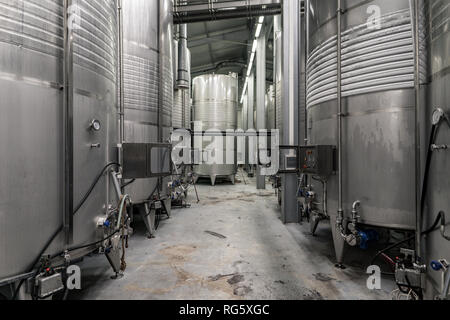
367,236
439,265
103,222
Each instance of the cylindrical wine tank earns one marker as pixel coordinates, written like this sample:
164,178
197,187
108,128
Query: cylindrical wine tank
148,79
215,100
31,124
437,13
378,106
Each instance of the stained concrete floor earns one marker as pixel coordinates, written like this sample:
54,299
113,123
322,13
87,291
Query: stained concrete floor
231,245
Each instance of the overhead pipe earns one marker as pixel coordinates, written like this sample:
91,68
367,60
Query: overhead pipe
239,12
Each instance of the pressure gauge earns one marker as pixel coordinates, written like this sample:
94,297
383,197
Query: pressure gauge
95,125
438,114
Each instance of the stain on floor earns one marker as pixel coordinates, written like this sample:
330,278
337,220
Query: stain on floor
248,253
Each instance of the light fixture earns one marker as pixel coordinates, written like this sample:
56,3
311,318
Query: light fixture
252,56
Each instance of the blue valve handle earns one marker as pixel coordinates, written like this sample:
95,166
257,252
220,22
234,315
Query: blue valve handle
436,265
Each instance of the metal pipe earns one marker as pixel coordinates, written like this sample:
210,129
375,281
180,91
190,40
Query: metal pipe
68,123
418,171
355,208
183,72
339,114
325,198
246,12
121,81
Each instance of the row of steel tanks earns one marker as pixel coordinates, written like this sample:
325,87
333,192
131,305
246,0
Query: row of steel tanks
64,55
383,119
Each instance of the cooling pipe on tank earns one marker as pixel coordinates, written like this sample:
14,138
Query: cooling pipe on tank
418,169
340,218
68,140
121,81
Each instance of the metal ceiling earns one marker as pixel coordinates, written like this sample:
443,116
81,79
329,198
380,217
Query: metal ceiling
220,45
223,46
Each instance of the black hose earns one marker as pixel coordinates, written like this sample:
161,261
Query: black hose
128,183
97,179
432,141
77,208
433,135
433,228
35,262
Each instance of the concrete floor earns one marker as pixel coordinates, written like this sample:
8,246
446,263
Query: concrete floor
232,245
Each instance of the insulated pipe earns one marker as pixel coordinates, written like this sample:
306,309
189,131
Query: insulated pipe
339,113
68,123
246,12
183,72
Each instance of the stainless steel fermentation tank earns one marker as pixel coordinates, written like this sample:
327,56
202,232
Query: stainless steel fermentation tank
215,100
31,124
378,101
436,247
148,84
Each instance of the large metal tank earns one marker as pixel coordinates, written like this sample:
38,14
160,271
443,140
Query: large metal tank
215,100
378,104
436,247
31,124
148,79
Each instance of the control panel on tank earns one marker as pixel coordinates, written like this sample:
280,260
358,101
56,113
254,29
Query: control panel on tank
318,160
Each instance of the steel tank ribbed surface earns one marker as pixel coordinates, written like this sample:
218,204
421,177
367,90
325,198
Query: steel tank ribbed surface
437,14
270,107
31,125
378,105
215,100
278,77
148,78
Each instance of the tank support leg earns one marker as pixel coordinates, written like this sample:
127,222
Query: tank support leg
315,220
233,179
339,244
148,215
213,180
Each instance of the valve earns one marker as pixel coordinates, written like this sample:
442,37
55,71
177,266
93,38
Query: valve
439,265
